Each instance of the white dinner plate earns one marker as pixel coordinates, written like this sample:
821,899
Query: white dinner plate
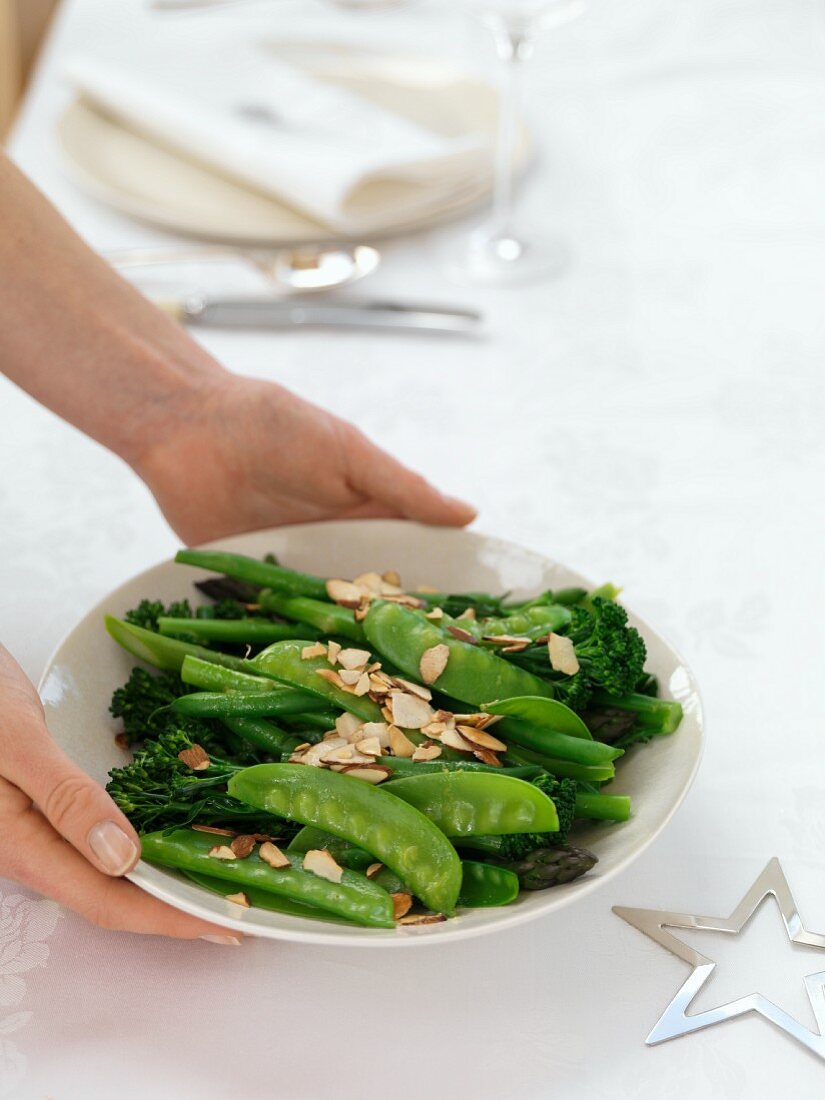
147,181
87,666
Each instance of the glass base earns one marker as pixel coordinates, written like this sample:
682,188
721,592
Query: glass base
502,261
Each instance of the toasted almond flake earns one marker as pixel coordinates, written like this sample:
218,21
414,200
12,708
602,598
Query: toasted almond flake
468,613
434,729
331,676
410,712
380,730
341,754
515,648
261,838
333,649
195,758
562,655
487,757
242,845
344,593
436,614
370,746
347,725
461,634
297,758
270,853
354,658
422,918
373,869
316,650
506,639
427,751
482,739
350,676
433,662
239,899
369,582
360,612
388,590
413,688
443,715
222,851
387,713
406,600
363,685
321,863
389,576
401,905
454,740
370,773
213,829
374,667
488,720
326,747
400,743
333,735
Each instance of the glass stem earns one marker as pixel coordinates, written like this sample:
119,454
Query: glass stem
514,46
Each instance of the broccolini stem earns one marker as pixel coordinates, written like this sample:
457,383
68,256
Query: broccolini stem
654,715
243,568
603,807
237,631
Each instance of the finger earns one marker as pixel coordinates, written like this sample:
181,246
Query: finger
386,482
36,856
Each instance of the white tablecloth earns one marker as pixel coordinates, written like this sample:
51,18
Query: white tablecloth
656,418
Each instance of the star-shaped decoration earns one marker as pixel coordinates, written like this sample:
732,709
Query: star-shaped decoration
675,1021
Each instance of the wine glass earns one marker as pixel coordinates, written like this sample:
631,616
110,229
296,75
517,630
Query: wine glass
497,254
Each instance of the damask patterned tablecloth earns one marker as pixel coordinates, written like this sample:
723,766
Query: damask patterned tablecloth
655,417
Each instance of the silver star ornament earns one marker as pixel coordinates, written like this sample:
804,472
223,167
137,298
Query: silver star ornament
675,1021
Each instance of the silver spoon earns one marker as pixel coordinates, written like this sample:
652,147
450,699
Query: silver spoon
303,269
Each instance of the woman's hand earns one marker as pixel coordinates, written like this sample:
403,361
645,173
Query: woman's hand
63,836
243,454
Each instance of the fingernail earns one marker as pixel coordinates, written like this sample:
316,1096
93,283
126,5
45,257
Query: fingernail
113,848
456,502
230,941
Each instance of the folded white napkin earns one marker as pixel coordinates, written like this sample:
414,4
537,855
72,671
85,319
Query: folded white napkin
335,156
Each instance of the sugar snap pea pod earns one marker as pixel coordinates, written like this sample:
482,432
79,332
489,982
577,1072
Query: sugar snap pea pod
282,661
319,722
472,674
402,767
244,568
165,653
328,618
558,746
237,631
532,622
603,807
564,769
476,803
261,899
241,704
354,897
263,735
395,832
547,713
483,885
212,677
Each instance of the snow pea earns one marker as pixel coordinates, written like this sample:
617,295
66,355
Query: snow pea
372,818
263,735
238,631
565,769
262,899
532,622
264,573
473,674
212,677
328,618
318,722
556,745
403,767
354,897
476,803
241,704
282,661
483,885
547,713
162,652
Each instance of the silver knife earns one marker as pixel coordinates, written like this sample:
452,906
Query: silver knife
272,313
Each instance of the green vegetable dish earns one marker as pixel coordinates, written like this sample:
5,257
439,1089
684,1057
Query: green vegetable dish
349,751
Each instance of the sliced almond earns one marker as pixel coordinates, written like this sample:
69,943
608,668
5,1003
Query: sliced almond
434,729
331,676
401,905
406,600
270,853
317,755
242,845
348,725
422,918
505,639
562,655
413,688
377,729
387,713
374,667
354,658
333,735
482,739
360,612
239,899
213,829
370,773
436,614
468,613
351,676
373,869
410,712
389,576
222,851
344,593
516,647
454,740
363,685
321,863
369,583
370,746
462,635
316,650
347,756
487,757
427,751
433,662
400,743
195,758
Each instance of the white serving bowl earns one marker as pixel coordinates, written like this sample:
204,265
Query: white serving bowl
87,666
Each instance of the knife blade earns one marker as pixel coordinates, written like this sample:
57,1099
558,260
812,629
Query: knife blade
271,313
